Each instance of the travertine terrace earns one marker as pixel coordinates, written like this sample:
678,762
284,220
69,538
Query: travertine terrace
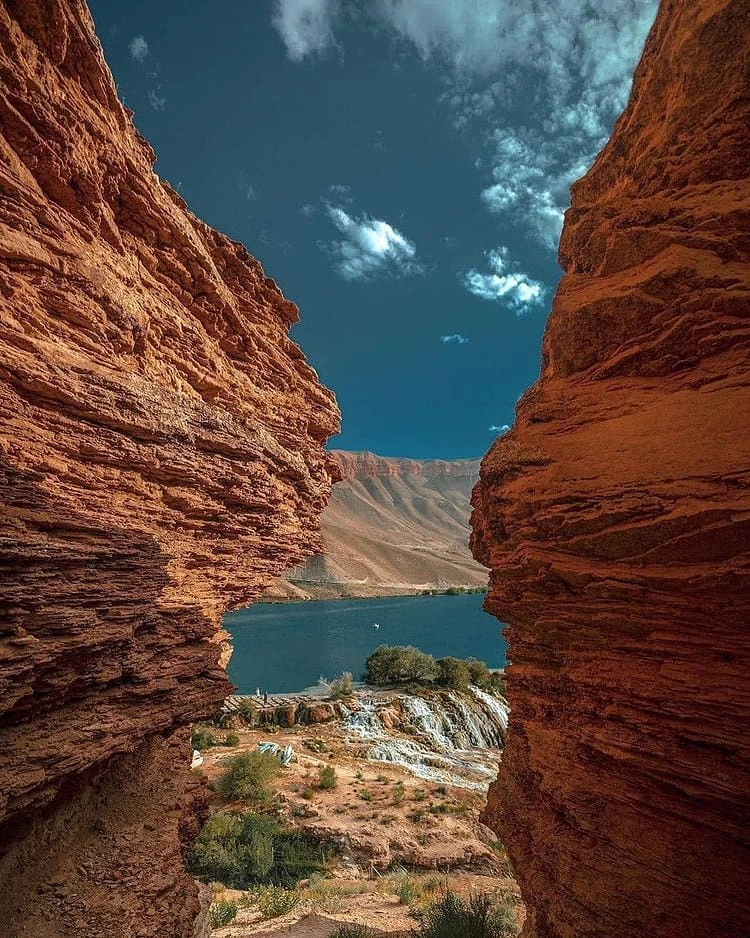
161,459
615,518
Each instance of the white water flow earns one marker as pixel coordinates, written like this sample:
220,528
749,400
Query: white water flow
451,738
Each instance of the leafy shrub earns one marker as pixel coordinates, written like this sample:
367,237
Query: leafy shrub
397,664
352,931
453,917
327,777
479,673
221,912
342,687
231,739
202,738
273,901
240,850
308,793
235,849
453,673
247,778
398,792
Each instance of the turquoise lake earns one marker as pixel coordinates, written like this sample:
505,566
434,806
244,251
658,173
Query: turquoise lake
285,647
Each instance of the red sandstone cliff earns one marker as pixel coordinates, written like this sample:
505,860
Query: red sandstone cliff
161,460
392,526
616,519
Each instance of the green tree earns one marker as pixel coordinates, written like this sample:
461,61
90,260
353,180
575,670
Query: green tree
398,664
479,673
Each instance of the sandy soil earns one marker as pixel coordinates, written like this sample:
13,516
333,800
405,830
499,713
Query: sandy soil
385,820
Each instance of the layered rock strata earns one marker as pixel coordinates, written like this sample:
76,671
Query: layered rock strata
616,519
393,526
161,461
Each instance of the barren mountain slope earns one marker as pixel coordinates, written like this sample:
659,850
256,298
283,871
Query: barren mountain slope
393,526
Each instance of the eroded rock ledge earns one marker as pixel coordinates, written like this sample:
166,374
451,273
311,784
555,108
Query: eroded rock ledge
616,519
160,461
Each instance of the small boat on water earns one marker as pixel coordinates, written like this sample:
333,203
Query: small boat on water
376,625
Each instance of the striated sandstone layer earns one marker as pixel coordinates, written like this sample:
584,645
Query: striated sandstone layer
615,517
392,526
160,460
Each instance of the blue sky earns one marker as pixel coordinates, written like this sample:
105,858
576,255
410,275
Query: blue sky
400,168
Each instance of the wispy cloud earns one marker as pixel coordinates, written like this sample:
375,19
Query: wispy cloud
245,188
370,247
308,209
454,339
139,48
156,99
504,282
542,85
575,72
339,189
500,429
305,26
140,51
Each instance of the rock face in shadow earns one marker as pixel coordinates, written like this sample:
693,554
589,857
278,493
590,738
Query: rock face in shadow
160,461
615,517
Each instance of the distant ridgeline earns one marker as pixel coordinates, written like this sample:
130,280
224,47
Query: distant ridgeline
393,527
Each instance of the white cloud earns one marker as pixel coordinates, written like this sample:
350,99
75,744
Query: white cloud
308,210
504,282
500,429
456,338
370,248
139,48
245,188
338,189
524,64
305,26
156,99
543,82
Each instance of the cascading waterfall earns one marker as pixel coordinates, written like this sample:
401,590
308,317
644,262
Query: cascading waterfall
453,738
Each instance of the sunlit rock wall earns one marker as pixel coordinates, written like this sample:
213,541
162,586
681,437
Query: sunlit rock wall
615,516
160,461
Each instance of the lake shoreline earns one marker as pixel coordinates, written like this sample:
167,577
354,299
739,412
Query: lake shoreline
282,647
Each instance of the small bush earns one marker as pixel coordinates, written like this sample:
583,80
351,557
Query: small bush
352,931
398,792
453,673
248,710
221,913
240,850
308,793
342,687
273,901
231,739
479,673
454,917
202,738
247,778
327,777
